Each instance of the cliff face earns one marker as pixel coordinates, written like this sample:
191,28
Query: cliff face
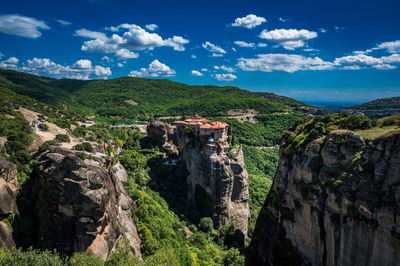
81,204
218,183
334,202
9,188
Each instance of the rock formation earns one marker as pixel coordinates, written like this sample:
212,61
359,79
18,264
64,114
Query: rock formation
218,183
9,188
81,204
164,135
334,201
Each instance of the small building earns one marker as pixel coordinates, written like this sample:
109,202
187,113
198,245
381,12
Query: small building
203,127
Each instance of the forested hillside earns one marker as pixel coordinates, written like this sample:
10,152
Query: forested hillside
144,98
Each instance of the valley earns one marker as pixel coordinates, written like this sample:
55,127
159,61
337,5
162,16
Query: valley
137,171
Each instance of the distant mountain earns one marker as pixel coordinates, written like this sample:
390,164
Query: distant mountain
131,97
377,108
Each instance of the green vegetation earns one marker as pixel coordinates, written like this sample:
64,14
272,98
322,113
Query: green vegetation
84,146
151,97
266,132
62,138
43,127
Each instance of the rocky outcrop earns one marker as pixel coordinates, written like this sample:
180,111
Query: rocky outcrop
81,204
9,188
218,183
334,201
163,134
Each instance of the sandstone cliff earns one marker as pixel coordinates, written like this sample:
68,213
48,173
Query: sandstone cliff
81,204
218,183
9,188
334,201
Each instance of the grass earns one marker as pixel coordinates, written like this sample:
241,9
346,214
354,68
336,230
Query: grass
376,132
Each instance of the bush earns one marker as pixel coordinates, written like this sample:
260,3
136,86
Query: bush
81,155
206,225
46,145
84,146
63,123
18,257
85,259
43,127
62,138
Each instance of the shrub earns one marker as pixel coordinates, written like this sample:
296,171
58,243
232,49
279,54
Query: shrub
46,145
206,225
62,138
43,127
81,155
63,123
85,259
84,146
18,257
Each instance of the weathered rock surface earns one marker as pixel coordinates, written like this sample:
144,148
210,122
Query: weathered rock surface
163,134
9,188
218,184
334,202
82,205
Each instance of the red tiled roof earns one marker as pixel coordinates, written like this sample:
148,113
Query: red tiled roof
203,123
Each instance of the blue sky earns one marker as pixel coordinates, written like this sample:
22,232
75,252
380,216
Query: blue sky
309,50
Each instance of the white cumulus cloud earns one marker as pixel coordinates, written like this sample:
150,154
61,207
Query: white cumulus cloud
250,21
213,48
196,73
123,45
223,67
10,63
155,69
245,44
283,62
290,39
22,26
81,69
151,27
225,77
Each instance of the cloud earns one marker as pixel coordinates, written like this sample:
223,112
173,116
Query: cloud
193,56
10,63
151,27
22,26
204,69
245,44
283,19
288,38
225,77
63,22
322,30
261,44
338,28
391,47
360,61
234,49
133,38
282,62
81,69
1,55
196,73
83,63
250,21
155,69
216,55
120,65
213,48
223,67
